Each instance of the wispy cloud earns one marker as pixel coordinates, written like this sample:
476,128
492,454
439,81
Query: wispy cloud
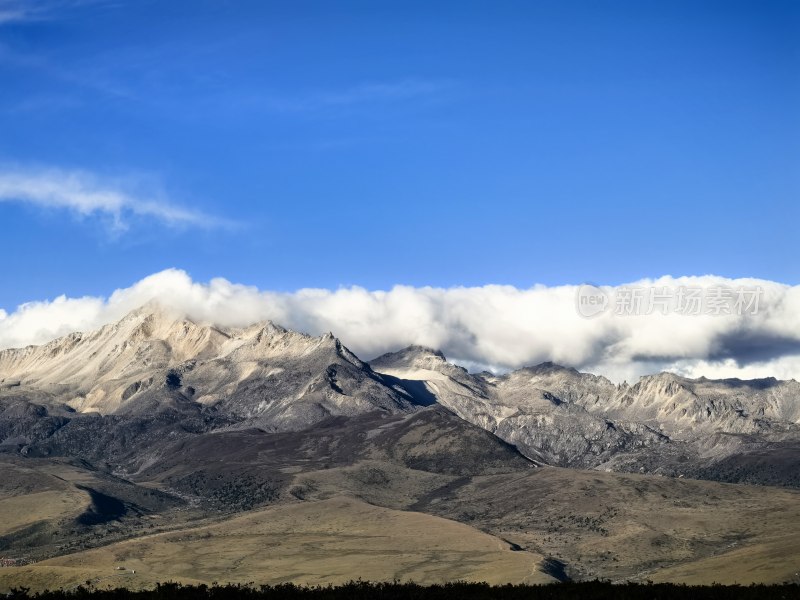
88,195
14,11
9,14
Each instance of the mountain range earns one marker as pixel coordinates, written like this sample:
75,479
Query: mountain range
157,422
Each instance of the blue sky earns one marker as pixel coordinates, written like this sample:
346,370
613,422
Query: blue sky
321,144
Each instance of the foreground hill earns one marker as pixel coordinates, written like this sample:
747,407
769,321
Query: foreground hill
315,542
375,517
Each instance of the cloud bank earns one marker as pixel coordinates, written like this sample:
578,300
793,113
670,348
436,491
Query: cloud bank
85,195
499,327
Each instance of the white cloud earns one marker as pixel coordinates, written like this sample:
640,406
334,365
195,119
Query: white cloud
86,194
784,367
498,326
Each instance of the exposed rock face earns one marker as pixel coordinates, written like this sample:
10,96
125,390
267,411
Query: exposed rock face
118,390
664,423
550,426
151,361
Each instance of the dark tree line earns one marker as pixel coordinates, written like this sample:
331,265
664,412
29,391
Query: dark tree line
358,590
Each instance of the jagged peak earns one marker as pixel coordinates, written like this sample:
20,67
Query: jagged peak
664,382
667,378
550,369
414,351
266,331
418,357
427,350
156,318
261,330
547,368
662,377
156,310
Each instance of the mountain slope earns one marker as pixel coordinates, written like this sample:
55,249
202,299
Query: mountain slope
663,424
152,360
154,370
161,426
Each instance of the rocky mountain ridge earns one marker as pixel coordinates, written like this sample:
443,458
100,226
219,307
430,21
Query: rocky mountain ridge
664,423
274,377
157,424
154,366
